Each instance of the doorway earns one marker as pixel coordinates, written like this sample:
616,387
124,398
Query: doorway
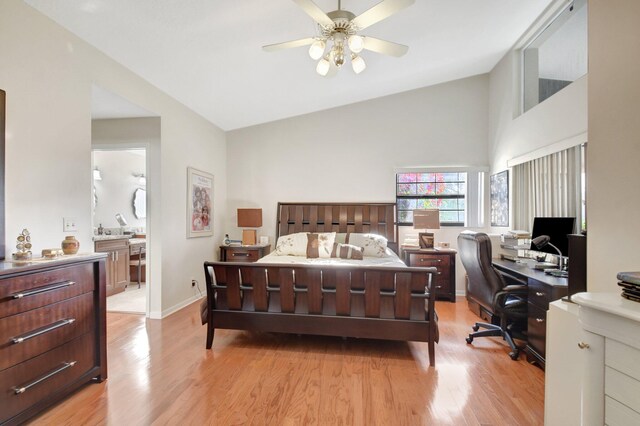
120,227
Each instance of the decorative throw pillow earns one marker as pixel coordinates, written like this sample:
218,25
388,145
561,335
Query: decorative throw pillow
347,251
292,245
373,245
320,244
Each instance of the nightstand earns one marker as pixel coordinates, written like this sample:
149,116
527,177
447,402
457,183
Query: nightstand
442,259
243,253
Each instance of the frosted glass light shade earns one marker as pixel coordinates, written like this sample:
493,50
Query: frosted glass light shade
317,49
356,43
358,64
323,67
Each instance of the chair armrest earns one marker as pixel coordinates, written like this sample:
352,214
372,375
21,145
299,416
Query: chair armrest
519,291
516,289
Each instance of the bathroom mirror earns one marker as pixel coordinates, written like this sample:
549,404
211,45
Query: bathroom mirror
140,203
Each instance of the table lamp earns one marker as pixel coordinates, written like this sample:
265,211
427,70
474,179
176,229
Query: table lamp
543,241
249,218
426,219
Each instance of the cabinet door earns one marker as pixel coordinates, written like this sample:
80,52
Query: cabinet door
111,287
121,268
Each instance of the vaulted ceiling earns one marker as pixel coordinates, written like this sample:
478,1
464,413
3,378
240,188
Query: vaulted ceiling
207,54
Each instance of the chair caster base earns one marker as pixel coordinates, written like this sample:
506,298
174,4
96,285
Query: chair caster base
469,339
514,355
476,327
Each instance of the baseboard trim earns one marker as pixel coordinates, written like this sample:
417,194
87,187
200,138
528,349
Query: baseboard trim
183,304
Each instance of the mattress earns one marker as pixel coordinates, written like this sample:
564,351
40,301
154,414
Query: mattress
390,260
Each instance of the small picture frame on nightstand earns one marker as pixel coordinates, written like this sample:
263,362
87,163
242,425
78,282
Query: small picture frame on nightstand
426,239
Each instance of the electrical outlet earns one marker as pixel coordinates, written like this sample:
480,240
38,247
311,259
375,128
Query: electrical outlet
69,224
193,282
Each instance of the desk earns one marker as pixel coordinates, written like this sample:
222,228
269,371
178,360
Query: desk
543,289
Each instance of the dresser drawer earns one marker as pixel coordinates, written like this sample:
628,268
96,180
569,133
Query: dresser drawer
537,328
442,280
241,255
616,414
44,328
424,260
623,358
26,292
47,374
540,295
622,388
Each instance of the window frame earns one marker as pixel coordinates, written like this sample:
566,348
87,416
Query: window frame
464,196
557,9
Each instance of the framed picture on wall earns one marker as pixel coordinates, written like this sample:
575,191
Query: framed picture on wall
500,199
199,203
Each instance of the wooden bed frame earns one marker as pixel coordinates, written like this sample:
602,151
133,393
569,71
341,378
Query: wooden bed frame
393,303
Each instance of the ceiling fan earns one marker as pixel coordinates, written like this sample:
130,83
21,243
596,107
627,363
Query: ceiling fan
339,29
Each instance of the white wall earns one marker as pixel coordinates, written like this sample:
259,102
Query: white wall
352,153
613,193
48,74
116,190
560,117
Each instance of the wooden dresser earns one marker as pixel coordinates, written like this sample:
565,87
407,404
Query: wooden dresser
442,259
52,332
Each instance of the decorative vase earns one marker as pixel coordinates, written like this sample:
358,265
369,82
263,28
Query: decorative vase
70,245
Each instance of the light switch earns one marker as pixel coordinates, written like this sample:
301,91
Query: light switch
69,224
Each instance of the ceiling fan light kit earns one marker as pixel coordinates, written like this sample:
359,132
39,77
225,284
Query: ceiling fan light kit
338,29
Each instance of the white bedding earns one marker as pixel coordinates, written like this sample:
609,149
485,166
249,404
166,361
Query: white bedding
390,260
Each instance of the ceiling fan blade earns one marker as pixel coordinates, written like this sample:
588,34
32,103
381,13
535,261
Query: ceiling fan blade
315,12
385,47
380,11
288,44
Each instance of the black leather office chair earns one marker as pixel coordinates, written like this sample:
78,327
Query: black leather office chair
488,288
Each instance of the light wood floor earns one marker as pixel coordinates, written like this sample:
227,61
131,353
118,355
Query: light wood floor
160,373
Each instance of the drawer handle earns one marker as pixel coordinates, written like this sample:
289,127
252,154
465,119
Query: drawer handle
540,319
64,366
424,295
42,289
540,293
583,345
43,330
438,286
422,259
240,254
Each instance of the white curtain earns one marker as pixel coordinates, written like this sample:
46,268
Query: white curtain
549,186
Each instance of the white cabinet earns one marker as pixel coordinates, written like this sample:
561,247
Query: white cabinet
564,369
610,350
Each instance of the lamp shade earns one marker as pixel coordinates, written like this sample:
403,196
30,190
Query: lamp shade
426,219
249,218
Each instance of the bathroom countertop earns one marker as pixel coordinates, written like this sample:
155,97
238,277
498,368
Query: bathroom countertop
110,237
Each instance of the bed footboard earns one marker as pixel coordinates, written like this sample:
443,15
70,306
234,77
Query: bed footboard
366,302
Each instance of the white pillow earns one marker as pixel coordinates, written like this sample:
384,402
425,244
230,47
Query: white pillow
320,244
373,245
292,245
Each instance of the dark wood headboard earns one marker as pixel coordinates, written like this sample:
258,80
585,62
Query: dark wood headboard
375,218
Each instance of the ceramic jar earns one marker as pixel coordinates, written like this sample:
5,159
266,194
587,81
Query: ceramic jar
70,245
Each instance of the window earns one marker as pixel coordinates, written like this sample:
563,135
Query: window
557,56
444,191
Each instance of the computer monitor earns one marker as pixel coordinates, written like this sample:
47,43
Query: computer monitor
557,228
